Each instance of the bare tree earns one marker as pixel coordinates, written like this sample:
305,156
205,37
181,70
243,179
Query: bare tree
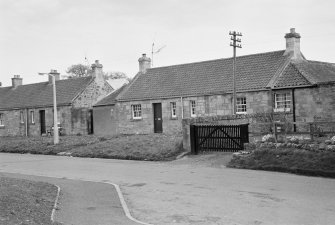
79,70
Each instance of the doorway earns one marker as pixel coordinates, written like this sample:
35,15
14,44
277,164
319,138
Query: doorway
158,121
90,122
42,122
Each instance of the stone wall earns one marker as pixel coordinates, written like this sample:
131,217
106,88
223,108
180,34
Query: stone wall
14,126
105,120
92,94
315,104
205,106
79,121
11,124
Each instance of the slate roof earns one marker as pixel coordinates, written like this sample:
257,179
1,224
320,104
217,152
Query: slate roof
204,78
317,72
306,72
291,77
40,94
111,98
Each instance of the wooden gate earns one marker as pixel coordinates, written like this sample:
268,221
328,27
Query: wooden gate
224,138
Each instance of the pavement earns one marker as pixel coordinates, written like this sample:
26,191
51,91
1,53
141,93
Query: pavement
84,202
193,190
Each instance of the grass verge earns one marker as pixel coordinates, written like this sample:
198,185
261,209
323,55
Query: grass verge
26,202
153,147
288,160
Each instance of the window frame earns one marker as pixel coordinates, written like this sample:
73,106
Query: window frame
193,108
173,109
241,105
32,116
282,99
136,111
21,117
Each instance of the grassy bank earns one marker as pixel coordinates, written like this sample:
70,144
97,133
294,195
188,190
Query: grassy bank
152,147
289,160
26,202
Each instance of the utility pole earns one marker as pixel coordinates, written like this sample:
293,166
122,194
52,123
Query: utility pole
235,45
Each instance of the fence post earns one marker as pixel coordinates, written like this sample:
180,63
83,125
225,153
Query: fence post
311,131
192,139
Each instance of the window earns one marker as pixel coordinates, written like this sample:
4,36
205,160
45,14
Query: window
173,110
193,109
32,116
241,105
21,117
136,111
282,102
1,120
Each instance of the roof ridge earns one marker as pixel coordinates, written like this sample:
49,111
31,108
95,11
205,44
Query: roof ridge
213,60
48,81
321,62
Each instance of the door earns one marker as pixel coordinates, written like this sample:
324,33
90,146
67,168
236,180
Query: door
42,122
158,122
90,122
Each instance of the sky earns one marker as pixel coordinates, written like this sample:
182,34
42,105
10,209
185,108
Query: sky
40,35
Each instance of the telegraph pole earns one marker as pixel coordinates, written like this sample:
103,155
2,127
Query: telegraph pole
235,45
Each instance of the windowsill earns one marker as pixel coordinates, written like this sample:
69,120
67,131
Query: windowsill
282,110
243,113
136,119
174,118
2,126
31,123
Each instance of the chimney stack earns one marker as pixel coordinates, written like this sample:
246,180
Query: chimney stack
97,71
293,45
53,73
144,63
16,81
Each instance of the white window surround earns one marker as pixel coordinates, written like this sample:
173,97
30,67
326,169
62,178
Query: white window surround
21,117
136,111
173,109
32,116
193,108
282,102
241,105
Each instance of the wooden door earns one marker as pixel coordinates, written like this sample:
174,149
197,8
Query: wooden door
42,122
158,121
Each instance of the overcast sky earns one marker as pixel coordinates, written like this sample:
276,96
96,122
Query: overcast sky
39,35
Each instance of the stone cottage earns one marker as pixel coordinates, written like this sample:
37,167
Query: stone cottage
27,110
280,81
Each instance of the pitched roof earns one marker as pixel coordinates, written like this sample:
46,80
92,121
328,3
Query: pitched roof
306,72
317,72
111,98
253,72
291,77
40,94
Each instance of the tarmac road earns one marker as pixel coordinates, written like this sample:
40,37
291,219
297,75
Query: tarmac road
195,191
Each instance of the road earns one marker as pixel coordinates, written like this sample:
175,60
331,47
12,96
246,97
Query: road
187,192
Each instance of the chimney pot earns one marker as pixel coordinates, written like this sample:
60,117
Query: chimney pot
97,71
144,63
16,81
55,74
293,45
